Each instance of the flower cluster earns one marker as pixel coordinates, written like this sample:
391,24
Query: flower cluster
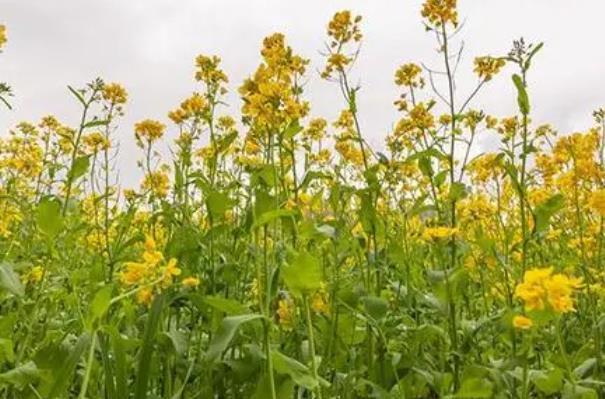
271,96
439,233
208,71
2,36
342,29
541,289
440,12
194,107
148,131
96,141
114,94
157,182
487,67
409,75
152,272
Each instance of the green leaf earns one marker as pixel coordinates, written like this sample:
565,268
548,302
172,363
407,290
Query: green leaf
178,340
77,94
79,167
457,191
375,306
547,382
226,141
226,332
96,122
424,164
303,274
270,216
7,353
299,373
546,210
228,306
585,368
64,377
532,54
522,98
119,354
49,216
475,388
574,391
292,130
101,302
218,203
20,376
9,280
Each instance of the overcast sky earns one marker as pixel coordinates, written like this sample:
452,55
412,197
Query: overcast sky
149,46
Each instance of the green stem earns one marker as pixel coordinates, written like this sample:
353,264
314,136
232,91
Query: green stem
91,357
311,343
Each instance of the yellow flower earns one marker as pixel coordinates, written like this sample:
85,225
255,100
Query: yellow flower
191,282
114,93
133,273
157,182
540,287
2,36
440,12
487,67
285,314
171,270
145,296
316,130
96,142
439,233
522,322
148,130
319,301
409,75
597,201
560,290
34,276
343,27
531,290
208,71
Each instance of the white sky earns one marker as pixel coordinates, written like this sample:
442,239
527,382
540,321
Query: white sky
149,46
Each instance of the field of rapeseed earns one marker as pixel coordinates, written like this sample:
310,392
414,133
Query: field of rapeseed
275,254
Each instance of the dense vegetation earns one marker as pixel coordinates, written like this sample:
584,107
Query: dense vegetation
276,255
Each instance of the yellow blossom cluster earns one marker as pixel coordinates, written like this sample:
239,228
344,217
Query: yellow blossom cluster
597,201
439,233
21,153
208,71
286,313
157,182
316,129
34,275
522,322
114,94
271,95
148,131
152,272
409,75
195,107
440,12
95,142
487,67
2,36
541,288
319,300
342,29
